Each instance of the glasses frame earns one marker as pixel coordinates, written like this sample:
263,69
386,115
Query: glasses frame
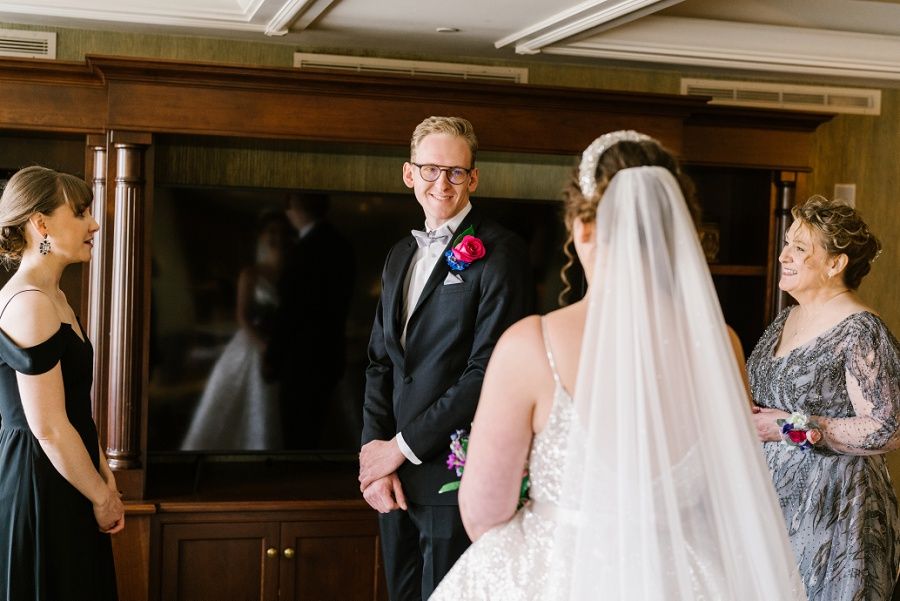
442,170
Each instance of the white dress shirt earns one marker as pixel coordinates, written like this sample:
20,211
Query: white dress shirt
420,269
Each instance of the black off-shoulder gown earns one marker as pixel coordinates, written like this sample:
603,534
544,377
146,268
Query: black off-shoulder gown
50,547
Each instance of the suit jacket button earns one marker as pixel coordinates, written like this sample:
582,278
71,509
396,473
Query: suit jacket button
407,379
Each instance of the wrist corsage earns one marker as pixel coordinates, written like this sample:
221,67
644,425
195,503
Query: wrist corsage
466,250
799,431
456,461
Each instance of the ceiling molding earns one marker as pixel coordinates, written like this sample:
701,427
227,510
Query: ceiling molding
226,10
589,15
725,44
296,15
235,15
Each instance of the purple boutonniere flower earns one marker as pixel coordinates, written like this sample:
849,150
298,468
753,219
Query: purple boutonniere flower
466,250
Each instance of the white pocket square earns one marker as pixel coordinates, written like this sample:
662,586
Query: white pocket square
452,278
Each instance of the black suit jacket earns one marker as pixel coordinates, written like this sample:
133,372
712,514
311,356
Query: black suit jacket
431,388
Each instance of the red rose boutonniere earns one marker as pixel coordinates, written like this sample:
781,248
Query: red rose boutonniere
466,250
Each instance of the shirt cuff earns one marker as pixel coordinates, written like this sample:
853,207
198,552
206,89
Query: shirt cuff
407,452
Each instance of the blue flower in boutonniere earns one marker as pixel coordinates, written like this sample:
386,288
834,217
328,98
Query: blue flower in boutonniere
466,250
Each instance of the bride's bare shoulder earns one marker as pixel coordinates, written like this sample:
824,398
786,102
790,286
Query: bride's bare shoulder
522,334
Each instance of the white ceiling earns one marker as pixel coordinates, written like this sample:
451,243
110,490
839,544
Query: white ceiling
845,39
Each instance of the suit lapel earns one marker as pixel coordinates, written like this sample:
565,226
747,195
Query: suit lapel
440,268
399,266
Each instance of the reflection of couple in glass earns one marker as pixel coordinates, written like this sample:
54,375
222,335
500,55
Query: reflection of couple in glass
239,408
271,387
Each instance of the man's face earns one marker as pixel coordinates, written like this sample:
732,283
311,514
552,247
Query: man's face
440,199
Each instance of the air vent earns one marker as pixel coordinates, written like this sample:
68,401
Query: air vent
861,101
404,68
27,44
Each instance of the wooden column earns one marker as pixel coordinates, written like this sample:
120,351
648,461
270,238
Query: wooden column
127,325
785,183
96,287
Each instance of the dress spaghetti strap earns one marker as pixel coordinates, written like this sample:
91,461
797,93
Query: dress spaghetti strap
549,351
2,311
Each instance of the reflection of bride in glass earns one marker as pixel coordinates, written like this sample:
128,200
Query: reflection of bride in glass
239,408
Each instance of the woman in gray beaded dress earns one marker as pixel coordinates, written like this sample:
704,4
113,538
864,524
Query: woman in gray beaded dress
831,368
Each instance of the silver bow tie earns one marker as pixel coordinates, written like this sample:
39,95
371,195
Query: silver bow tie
439,236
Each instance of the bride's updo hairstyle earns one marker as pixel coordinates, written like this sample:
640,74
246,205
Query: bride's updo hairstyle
35,190
611,153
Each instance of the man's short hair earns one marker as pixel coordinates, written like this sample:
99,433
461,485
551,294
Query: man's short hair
454,126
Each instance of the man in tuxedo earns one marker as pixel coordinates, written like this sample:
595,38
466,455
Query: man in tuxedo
306,355
434,331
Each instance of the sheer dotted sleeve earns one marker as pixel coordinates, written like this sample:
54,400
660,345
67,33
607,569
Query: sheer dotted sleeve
872,371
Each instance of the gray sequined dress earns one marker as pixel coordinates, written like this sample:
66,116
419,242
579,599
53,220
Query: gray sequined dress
840,507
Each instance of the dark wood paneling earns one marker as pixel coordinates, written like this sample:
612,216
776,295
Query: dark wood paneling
748,147
131,548
51,96
380,120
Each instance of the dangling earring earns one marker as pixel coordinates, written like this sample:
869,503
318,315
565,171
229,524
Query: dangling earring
44,246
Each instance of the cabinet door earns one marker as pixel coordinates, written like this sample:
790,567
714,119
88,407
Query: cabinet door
329,560
219,561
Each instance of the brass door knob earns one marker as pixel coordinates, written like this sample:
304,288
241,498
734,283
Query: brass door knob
289,553
271,552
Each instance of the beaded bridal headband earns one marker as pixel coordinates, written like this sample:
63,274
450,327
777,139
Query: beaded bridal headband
587,171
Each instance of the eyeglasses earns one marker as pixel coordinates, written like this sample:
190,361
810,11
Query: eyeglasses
431,173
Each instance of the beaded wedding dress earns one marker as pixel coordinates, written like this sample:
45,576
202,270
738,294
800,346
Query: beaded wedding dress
512,562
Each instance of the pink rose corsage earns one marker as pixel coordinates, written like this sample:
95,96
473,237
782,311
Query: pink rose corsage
799,431
466,250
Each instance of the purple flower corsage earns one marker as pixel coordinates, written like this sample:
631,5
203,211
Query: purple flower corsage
456,461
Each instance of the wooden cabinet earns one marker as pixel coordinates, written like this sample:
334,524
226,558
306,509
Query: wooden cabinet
736,230
742,232
292,555
220,560
331,559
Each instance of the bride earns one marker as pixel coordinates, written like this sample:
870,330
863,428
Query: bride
647,481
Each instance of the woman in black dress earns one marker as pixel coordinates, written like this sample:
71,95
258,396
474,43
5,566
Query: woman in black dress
58,497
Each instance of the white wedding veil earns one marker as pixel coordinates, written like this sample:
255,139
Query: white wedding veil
666,494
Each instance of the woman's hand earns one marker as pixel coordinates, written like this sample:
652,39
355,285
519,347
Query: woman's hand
110,513
764,420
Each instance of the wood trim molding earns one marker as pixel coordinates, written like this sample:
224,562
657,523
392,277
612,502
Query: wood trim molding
239,506
162,96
